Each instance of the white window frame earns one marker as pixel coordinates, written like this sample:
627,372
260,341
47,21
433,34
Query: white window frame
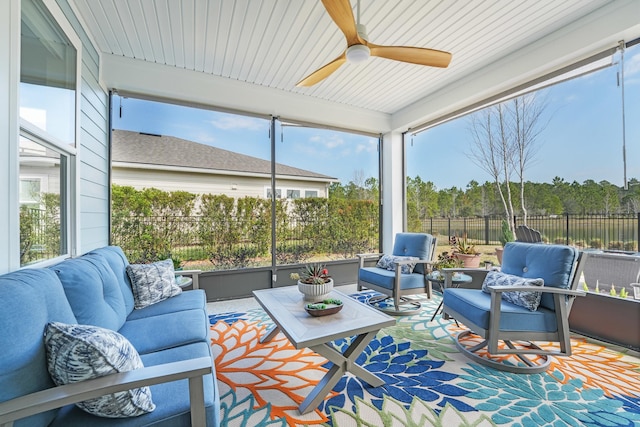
71,152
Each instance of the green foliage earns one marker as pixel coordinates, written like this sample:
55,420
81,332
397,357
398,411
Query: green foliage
232,233
506,233
595,243
447,260
40,230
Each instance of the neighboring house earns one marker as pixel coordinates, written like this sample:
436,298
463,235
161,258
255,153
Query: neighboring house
142,160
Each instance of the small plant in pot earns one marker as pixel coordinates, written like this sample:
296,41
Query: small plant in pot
506,236
445,260
314,282
466,252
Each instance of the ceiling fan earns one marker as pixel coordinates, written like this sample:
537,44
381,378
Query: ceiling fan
359,49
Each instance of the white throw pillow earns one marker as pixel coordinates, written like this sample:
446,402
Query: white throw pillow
80,352
152,283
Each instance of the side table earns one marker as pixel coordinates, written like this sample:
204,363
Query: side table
457,279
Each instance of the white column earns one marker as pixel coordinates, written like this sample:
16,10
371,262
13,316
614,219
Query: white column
392,188
9,76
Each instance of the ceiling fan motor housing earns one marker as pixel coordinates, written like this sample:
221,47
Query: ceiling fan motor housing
358,53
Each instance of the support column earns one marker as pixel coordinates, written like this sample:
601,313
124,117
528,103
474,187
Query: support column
392,188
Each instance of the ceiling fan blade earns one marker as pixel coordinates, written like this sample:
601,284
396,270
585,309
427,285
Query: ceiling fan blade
322,73
341,13
414,55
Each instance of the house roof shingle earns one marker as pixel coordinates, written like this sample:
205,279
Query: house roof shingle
135,147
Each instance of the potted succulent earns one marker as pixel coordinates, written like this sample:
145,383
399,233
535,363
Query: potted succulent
314,282
466,252
506,235
445,260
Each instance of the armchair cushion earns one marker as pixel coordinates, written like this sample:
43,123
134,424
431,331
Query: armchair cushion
386,278
552,263
527,299
152,283
414,244
388,262
477,307
80,352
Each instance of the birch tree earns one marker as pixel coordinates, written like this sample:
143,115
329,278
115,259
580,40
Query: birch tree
505,141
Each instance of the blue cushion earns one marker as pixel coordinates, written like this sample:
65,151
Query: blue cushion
118,262
475,305
386,278
164,331
413,244
171,399
31,298
188,300
93,291
551,263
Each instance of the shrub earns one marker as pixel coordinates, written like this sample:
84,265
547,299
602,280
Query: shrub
616,245
595,243
631,245
580,243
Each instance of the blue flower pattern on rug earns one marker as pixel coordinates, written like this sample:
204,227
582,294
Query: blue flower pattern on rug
413,359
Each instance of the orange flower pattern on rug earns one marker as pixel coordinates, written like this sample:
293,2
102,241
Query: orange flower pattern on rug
597,366
275,372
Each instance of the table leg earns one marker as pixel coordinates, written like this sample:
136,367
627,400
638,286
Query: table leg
342,362
272,331
437,310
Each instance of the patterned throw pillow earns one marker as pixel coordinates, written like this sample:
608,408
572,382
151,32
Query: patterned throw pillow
526,299
387,262
80,352
152,283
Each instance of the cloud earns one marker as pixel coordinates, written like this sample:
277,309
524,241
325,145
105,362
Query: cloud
632,65
238,122
330,142
370,146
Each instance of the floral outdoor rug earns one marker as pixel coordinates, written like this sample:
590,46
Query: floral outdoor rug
428,382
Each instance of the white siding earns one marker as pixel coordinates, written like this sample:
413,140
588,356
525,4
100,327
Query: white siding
93,192
198,183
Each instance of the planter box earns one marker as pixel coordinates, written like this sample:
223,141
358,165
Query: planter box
606,318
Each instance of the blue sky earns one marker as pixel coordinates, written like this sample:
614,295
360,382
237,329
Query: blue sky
583,138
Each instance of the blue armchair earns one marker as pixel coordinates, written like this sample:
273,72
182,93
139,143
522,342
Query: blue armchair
528,300
399,274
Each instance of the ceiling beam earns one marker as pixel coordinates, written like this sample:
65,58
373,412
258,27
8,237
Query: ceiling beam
167,82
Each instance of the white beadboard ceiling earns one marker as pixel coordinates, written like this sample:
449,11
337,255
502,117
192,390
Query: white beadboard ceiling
275,43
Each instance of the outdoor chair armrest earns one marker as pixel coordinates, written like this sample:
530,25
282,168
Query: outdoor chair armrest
57,397
412,261
369,255
364,257
550,290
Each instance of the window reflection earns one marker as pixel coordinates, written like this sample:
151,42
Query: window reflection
47,74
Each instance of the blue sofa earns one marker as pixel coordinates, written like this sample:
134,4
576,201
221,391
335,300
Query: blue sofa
94,289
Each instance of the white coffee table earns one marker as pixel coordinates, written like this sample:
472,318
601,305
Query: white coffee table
285,306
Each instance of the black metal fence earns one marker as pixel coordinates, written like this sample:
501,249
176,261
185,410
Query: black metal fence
611,232
39,235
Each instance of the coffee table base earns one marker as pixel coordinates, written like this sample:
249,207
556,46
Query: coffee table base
342,363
